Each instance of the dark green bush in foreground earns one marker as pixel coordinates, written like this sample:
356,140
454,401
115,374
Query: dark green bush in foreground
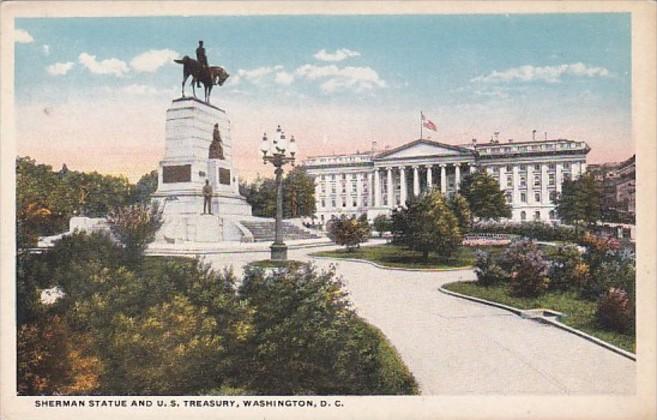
307,340
173,326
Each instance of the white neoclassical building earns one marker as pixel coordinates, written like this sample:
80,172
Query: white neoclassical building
530,173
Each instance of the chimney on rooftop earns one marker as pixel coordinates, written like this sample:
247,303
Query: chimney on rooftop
374,146
546,135
533,134
510,140
497,137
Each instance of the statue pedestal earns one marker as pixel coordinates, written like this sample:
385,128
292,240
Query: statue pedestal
186,167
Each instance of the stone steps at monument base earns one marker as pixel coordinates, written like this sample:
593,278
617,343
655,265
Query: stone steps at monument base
265,231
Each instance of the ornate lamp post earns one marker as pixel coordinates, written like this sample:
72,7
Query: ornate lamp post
274,151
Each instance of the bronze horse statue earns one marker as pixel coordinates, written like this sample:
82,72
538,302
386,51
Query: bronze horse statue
211,76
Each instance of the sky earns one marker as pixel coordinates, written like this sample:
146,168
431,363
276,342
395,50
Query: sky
92,92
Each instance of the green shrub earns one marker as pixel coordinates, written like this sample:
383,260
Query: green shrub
348,231
527,267
308,341
533,230
488,272
567,268
135,226
615,311
382,223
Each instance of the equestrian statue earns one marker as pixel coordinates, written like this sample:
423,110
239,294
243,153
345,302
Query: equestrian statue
201,72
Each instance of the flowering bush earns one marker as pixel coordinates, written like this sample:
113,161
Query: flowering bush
567,269
488,271
616,311
527,267
609,266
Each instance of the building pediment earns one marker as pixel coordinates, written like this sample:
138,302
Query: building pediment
423,148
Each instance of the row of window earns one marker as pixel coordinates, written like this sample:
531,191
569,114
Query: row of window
343,202
537,215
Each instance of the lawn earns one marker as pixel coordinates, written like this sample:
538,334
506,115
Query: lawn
290,264
579,314
398,257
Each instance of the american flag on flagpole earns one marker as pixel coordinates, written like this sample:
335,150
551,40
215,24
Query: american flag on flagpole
427,123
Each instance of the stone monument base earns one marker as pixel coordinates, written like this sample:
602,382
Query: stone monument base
191,228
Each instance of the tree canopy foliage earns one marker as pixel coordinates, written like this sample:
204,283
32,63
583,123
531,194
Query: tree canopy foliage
47,199
427,225
580,201
485,199
348,231
298,195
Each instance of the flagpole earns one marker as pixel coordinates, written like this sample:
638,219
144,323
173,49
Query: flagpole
420,124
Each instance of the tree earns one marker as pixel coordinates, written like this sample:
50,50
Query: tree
580,201
485,199
382,223
146,186
348,231
299,193
427,225
135,226
46,200
459,206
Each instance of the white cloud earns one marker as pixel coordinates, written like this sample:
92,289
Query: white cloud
22,36
152,60
550,74
109,66
59,69
284,78
356,78
46,49
257,74
338,55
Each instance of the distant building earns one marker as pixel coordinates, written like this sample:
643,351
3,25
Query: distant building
530,173
618,189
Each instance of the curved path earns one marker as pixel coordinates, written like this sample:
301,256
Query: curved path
454,346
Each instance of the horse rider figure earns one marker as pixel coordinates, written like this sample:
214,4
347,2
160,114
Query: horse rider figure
202,60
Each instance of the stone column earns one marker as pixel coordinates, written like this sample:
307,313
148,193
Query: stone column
359,190
582,168
559,177
416,182
443,178
530,186
391,192
377,188
402,187
370,190
515,198
457,176
502,180
545,196
473,167
429,176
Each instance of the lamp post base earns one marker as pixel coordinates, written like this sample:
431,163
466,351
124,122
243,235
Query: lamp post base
278,252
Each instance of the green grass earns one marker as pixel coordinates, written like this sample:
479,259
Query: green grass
398,257
579,314
290,264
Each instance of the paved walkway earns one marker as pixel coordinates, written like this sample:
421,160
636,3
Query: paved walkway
454,346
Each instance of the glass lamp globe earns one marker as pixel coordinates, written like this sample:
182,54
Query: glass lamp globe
264,144
292,147
282,143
